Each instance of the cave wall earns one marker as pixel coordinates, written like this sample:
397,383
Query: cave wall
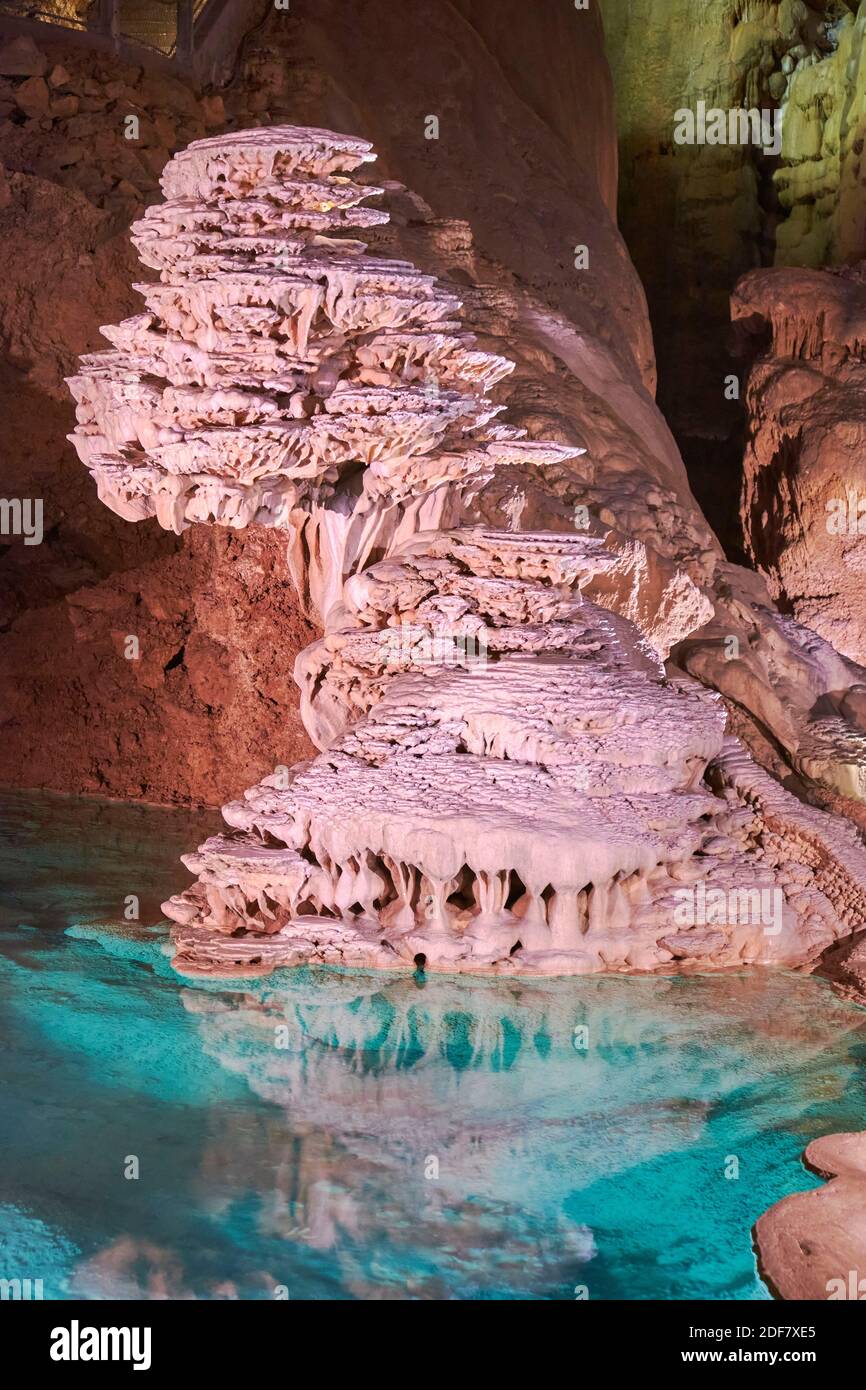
804,477
695,218
820,183
790,444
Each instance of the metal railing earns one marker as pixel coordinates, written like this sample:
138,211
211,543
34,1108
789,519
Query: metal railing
69,14
166,27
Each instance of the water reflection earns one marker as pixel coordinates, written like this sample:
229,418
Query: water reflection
346,1134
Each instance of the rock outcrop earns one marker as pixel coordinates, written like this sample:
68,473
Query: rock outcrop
812,1245
804,485
508,781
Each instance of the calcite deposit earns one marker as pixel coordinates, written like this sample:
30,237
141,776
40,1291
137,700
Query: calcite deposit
508,781
804,475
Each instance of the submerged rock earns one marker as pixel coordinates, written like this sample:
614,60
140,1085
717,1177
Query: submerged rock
812,1245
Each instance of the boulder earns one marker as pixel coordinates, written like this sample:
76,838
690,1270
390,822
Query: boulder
33,97
21,58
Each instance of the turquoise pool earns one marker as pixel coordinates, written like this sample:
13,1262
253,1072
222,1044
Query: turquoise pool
331,1134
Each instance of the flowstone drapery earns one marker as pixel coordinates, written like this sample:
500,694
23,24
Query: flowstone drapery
509,781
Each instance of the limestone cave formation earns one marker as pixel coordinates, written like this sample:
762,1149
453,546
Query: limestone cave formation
454,473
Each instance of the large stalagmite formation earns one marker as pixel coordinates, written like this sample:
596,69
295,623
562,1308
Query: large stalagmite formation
508,780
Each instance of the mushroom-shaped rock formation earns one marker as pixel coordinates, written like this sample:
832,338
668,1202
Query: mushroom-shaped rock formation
508,780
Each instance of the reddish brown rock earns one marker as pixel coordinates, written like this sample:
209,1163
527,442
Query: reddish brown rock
21,58
63,107
186,720
845,967
32,96
812,1245
213,109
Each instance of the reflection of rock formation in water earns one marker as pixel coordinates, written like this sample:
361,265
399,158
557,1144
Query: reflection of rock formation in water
378,1078
354,1179
509,781
374,1076
370,1209
342,1046
532,1133
130,1268
324,1049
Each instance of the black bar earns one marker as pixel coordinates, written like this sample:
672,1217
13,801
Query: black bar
227,1336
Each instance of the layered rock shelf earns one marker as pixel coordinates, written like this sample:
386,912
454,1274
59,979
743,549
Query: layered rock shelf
508,781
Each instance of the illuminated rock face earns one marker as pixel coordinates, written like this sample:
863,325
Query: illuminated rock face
508,781
804,479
